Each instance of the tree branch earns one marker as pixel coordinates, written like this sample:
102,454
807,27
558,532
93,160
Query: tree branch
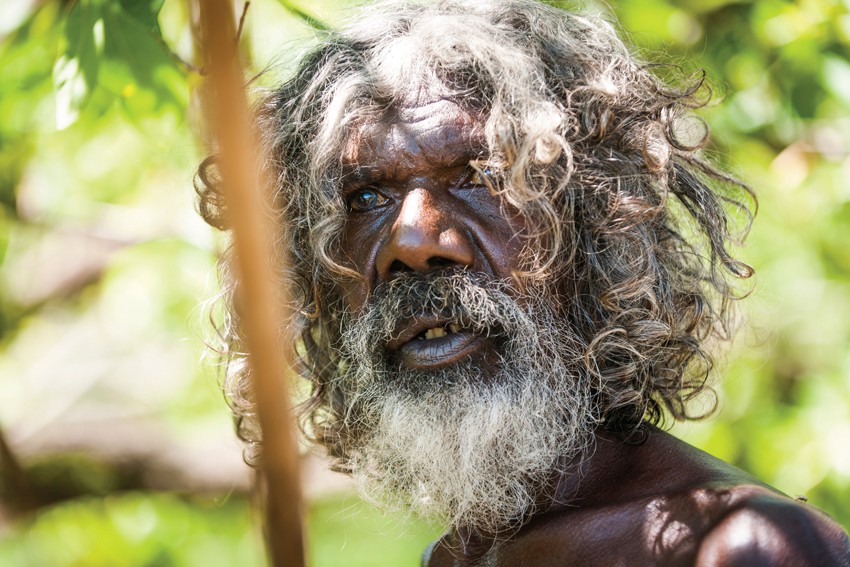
260,297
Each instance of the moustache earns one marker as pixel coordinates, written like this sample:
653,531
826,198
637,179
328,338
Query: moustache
463,300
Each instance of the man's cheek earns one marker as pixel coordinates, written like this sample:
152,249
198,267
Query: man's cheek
353,294
358,248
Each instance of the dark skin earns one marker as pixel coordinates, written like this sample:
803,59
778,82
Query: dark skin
416,205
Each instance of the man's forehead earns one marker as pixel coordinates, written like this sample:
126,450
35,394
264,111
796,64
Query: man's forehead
440,131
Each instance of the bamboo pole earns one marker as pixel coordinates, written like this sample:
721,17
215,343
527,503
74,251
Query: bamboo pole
261,302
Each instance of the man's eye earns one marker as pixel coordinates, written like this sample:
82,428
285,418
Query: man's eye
482,176
365,200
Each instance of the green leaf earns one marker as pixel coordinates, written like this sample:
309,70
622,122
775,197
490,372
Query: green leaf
146,12
77,66
310,20
118,45
138,67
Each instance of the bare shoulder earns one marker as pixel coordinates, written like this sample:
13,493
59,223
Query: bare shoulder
737,520
667,503
714,514
770,529
720,525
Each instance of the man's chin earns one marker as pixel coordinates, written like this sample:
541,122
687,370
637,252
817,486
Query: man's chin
470,455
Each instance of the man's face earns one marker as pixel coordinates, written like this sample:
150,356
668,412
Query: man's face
416,206
460,391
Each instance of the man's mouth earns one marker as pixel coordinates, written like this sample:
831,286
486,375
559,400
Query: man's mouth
434,344
439,332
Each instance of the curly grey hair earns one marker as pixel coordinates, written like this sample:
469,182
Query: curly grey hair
625,216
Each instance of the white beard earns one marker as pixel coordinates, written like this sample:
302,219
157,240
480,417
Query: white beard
453,445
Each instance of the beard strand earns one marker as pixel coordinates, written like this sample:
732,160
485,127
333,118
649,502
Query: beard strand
476,451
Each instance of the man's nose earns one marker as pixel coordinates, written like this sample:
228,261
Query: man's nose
424,237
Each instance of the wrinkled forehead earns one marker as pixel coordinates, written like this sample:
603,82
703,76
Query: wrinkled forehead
439,129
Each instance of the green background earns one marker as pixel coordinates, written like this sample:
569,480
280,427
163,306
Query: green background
117,445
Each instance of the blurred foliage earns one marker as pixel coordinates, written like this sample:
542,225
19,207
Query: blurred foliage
782,76
104,264
138,529
158,529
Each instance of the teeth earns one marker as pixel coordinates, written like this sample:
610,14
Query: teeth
435,333
438,332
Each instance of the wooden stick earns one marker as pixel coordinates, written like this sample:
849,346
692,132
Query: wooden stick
261,298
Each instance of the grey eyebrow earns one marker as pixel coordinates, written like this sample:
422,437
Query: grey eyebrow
359,174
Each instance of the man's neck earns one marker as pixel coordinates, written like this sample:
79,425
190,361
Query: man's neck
584,481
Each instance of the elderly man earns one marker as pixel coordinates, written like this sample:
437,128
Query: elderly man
508,257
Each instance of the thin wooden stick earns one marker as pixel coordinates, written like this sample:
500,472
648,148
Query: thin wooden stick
261,303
